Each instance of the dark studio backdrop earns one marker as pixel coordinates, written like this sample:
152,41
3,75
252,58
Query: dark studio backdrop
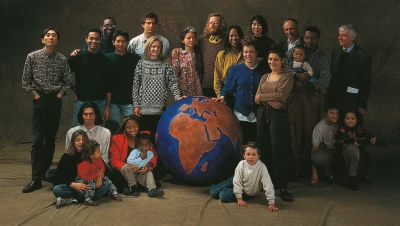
22,21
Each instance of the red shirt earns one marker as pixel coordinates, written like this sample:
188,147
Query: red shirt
88,171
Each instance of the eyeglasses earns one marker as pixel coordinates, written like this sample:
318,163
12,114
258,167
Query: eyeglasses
109,26
213,22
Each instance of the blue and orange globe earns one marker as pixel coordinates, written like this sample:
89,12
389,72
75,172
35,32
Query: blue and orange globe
198,139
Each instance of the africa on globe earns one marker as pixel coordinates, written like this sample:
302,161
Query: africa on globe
198,140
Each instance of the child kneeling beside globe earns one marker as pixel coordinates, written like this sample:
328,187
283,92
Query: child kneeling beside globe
251,175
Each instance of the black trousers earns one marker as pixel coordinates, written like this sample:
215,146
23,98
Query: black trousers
273,136
45,122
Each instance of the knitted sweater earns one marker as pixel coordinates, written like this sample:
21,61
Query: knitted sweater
249,179
209,52
152,80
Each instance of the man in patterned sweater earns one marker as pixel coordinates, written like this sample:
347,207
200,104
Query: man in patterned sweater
47,76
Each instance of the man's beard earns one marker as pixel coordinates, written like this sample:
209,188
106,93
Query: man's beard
215,33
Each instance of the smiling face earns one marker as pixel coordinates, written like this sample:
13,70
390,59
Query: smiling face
256,28
189,40
155,50
79,141
120,43
93,41
299,54
332,116
249,54
346,39
214,24
311,40
108,27
234,38
251,155
50,39
290,29
350,120
275,62
131,128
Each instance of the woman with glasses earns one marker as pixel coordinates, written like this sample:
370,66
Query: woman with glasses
188,64
231,55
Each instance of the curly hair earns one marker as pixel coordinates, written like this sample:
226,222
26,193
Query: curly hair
89,149
359,117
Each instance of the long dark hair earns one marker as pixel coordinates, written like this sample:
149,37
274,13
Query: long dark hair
89,149
71,150
97,120
227,45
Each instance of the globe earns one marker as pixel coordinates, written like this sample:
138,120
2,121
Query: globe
198,140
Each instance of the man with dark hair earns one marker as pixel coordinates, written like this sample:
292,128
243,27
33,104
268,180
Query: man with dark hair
124,64
305,111
210,43
90,121
92,76
107,30
290,28
351,72
323,146
149,24
47,76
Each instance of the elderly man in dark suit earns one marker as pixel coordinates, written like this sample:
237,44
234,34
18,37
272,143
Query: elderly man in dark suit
351,72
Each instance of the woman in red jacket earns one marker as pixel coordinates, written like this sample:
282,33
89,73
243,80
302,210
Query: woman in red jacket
122,143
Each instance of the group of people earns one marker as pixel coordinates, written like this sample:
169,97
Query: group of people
276,91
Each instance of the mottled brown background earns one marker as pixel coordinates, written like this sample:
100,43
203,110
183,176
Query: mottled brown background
22,22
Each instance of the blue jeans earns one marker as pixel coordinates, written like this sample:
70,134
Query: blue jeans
115,114
64,191
223,191
101,104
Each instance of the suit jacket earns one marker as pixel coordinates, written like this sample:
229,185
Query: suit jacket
284,44
354,73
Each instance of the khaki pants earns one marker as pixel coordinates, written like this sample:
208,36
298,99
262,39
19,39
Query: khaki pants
147,179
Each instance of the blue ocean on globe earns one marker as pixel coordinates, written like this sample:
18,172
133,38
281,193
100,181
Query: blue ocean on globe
198,140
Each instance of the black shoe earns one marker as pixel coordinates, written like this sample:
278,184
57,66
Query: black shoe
352,183
285,195
365,180
155,192
158,184
32,186
329,180
91,203
135,190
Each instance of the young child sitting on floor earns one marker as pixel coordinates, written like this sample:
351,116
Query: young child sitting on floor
91,172
137,159
251,175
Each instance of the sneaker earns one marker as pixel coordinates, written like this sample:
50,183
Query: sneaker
91,203
155,192
64,202
135,191
32,186
116,197
365,180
